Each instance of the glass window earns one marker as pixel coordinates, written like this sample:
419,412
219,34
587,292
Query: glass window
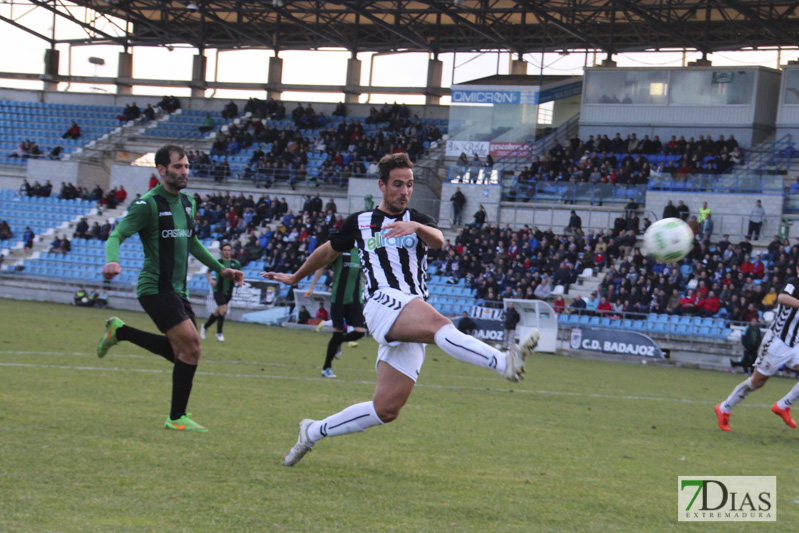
627,87
791,87
712,87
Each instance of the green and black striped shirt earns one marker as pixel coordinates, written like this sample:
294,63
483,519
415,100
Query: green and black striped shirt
165,224
347,279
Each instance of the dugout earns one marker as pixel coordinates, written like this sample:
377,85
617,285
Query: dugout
536,314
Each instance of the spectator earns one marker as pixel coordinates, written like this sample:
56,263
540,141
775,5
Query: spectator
28,238
458,201
577,305
707,227
208,123
512,319
751,339
756,216
5,231
559,304
303,316
73,132
479,217
683,210
670,211
575,223
153,182
466,324
231,110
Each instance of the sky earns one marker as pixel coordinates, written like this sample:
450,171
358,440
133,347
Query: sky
318,67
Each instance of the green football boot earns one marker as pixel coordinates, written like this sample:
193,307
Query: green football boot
184,423
110,337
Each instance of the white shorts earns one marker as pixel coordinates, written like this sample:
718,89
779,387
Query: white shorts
381,311
405,357
774,353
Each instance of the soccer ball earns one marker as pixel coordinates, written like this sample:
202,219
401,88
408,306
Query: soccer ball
668,240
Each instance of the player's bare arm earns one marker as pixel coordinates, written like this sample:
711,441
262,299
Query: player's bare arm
234,275
432,237
111,269
788,300
319,258
314,281
210,279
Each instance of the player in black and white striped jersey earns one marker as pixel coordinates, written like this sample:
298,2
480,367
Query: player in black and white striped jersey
392,241
780,347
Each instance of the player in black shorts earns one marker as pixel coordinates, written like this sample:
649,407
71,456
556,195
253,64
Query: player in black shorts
164,220
223,292
346,303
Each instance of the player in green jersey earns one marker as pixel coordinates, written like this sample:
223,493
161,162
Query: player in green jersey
164,220
346,303
223,292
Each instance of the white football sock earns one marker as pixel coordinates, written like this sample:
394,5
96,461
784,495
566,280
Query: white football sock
469,350
789,398
353,419
738,393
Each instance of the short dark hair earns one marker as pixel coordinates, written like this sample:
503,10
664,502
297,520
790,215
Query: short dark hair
390,162
164,154
225,244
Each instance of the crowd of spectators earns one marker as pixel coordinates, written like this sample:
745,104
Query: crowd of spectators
282,153
265,228
625,161
719,278
28,149
169,104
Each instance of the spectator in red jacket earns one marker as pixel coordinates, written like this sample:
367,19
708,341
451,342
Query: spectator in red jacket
153,182
604,306
708,306
688,303
120,195
73,132
321,313
758,267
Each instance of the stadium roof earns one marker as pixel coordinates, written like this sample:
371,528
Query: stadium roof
434,26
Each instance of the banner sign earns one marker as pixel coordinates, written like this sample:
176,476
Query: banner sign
561,92
456,148
486,313
504,149
488,330
614,341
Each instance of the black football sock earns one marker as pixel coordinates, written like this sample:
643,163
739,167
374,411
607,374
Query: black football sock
158,344
332,348
211,320
182,379
220,322
352,336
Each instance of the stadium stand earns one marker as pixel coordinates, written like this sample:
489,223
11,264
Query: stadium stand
45,124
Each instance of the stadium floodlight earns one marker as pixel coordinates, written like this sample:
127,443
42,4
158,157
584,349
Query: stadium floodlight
191,6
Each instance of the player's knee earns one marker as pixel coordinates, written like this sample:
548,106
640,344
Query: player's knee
387,413
190,351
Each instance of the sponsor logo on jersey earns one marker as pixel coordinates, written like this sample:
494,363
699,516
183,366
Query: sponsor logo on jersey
175,233
366,226
165,214
379,241
141,202
188,211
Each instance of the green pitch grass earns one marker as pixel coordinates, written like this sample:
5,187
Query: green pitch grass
578,446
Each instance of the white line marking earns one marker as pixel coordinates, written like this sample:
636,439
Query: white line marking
362,382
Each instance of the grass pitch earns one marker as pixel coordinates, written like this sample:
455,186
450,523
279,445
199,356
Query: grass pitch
578,446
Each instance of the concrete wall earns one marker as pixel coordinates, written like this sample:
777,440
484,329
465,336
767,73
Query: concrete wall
486,195
730,212
135,179
59,172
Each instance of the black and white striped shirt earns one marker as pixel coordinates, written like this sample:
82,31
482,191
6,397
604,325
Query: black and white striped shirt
399,262
786,323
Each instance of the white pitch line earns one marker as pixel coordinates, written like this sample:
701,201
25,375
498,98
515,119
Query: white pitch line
371,382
